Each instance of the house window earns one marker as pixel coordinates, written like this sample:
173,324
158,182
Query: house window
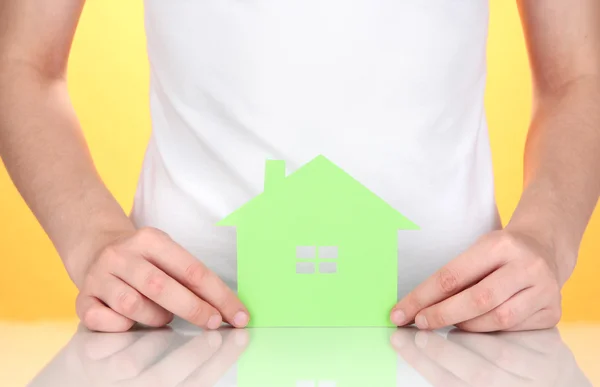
316,259
306,252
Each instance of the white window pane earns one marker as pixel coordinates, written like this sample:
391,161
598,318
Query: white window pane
306,383
306,252
328,267
327,383
305,267
328,252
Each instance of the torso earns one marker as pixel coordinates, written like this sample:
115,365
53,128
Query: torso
390,90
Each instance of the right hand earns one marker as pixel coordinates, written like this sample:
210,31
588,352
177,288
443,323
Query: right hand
145,277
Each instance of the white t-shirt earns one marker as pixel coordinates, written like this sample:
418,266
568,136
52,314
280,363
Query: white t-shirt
392,91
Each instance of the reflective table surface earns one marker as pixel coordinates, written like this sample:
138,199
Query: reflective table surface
66,354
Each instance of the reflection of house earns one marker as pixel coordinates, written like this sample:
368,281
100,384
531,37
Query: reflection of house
316,383
317,248
318,357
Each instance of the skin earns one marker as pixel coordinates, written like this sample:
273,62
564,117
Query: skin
124,275
510,279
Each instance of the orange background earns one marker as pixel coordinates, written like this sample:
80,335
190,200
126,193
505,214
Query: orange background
108,80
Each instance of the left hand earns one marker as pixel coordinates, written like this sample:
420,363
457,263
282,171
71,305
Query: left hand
507,281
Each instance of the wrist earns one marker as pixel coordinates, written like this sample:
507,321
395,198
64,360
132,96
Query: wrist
538,217
92,240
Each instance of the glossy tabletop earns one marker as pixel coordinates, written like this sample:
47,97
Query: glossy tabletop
65,354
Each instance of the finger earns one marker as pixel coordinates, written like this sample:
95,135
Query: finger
404,344
182,361
166,292
512,358
511,313
542,319
128,302
228,354
98,317
100,346
475,301
135,359
468,268
545,341
470,367
174,260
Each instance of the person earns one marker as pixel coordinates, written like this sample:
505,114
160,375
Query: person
390,90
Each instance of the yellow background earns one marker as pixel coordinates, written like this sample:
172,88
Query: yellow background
108,82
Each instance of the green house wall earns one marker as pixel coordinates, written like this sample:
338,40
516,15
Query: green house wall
361,293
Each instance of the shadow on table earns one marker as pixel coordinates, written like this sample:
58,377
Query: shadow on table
312,357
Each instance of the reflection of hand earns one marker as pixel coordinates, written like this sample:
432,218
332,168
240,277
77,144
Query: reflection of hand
536,358
154,357
144,276
507,281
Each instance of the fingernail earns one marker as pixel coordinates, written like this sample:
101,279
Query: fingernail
398,340
241,338
214,322
421,339
421,322
398,317
214,339
240,319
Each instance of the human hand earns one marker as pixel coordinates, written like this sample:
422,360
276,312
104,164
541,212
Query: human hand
144,276
161,357
536,358
507,281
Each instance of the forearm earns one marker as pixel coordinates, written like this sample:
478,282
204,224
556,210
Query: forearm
562,169
47,158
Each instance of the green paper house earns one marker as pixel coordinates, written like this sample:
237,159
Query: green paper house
318,357
317,248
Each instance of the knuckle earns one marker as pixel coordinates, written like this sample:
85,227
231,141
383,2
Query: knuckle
158,320
552,292
195,274
164,319
150,235
447,280
224,301
535,266
154,282
504,242
413,302
466,326
438,318
555,316
197,314
505,317
483,299
129,303
90,319
111,256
